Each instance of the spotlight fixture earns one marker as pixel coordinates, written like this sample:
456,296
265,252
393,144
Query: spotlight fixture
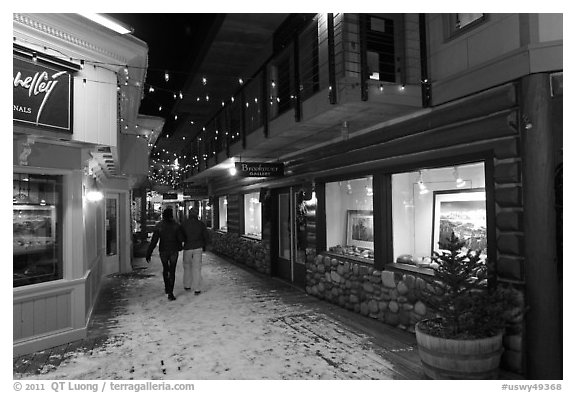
421,185
459,182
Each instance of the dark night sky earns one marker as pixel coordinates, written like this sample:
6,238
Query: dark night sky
174,42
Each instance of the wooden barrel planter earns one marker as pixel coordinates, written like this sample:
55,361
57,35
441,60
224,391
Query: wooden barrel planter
444,358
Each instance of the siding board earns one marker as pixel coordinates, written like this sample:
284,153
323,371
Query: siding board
16,321
39,315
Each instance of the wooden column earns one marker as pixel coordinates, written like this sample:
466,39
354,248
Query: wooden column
543,319
331,59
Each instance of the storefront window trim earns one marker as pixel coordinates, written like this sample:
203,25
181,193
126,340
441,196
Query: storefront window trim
383,258
64,220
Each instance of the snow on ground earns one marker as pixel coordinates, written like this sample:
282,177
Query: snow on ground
236,329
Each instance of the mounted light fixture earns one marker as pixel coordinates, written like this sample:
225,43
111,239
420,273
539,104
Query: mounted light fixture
459,182
94,194
421,185
108,23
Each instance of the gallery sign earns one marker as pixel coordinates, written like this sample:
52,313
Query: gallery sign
169,196
191,192
259,169
42,95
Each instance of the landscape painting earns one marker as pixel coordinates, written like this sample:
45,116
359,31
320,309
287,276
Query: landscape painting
360,229
462,212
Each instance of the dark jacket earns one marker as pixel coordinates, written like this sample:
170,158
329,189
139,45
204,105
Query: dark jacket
171,237
196,234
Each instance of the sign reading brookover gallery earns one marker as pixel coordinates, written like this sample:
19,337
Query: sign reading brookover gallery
259,169
42,95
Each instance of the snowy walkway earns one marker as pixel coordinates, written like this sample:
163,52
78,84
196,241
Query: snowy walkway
242,326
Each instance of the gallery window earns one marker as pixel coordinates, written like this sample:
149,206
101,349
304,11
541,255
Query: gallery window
37,228
429,204
223,213
350,219
206,212
253,215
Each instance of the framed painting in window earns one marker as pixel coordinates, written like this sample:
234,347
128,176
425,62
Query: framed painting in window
462,212
360,229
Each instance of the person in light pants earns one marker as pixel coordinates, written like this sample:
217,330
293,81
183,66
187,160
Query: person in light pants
196,241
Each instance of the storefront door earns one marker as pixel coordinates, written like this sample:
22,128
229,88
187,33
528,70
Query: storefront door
291,261
111,258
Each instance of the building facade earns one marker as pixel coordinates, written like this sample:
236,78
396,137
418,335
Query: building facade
75,87
390,131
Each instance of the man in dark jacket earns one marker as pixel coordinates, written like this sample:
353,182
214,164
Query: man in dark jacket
196,240
171,237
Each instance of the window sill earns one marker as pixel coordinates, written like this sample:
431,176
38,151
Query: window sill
366,261
411,268
252,238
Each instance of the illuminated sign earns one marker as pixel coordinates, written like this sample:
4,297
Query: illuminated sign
259,169
42,95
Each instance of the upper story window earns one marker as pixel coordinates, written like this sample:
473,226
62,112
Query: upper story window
458,23
380,49
463,20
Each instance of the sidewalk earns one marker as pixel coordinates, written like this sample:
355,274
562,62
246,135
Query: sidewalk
243,326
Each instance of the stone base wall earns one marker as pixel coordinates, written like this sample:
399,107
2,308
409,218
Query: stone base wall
391,297
249,252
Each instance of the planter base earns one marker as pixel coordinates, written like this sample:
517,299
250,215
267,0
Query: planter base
459,359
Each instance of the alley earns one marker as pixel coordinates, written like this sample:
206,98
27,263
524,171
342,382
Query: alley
243,326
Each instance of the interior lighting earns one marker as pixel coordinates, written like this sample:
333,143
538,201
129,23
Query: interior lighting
421,185
108,23
459,181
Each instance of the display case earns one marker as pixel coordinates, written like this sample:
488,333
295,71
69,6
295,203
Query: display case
34,228
35,244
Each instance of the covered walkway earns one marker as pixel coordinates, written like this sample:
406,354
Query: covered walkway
243,326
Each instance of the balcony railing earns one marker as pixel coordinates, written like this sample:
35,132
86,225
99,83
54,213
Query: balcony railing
331,51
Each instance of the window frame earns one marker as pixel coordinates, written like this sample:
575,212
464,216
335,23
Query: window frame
382,210
453,32
243,228
64,252
220,211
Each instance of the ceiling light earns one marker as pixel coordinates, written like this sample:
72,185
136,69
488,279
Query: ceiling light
110,24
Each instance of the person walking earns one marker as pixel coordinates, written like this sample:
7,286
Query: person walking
197,239
171,237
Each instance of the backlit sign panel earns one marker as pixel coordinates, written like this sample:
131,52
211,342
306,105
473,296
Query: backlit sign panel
42,95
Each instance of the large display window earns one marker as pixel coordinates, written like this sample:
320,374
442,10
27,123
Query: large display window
350,218
223,213
253,215
37,228
429,204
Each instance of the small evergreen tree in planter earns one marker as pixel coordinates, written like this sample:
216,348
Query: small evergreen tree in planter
471,317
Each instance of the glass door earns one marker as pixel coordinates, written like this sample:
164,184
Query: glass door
285,269
111,259
291,264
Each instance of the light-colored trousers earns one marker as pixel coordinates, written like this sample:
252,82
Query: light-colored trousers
192,262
